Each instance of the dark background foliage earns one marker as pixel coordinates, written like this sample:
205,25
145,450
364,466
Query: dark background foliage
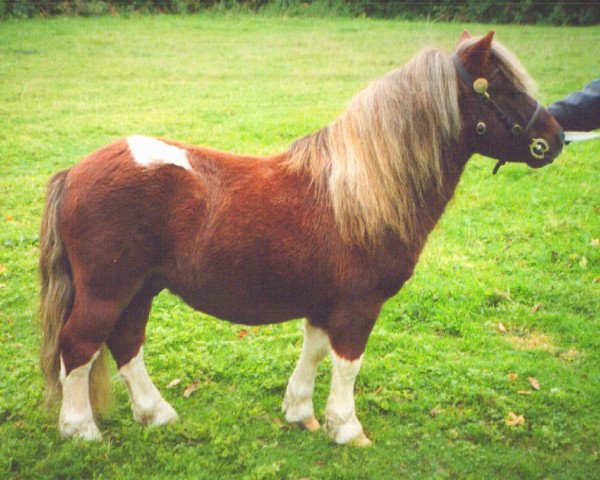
556,12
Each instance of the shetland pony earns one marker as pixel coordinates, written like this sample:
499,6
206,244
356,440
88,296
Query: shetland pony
326,231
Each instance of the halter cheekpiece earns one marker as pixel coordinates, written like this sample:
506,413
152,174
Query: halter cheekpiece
537,146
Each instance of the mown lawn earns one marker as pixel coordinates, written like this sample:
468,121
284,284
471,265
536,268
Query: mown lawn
516,252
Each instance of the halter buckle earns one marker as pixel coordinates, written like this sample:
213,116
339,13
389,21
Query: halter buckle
538,148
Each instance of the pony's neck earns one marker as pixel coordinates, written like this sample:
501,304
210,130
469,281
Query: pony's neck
382,162
454,161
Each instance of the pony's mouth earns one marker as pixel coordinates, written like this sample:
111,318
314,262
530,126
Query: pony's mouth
540,162
543,153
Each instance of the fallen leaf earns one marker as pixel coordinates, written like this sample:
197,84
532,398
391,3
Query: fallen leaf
230,388
434,412
595,242
501,327
2,285
2,268
175,381
191,388
583,262
534,382
524,392
515,420
242,333
597,280
9,218
513,376
536,307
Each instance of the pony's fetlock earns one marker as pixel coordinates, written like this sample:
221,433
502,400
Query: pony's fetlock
299,410
83,428
161,413
347,431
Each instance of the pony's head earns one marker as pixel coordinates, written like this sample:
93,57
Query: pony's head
501,119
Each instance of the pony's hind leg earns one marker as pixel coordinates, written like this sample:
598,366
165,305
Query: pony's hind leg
80,340
298,404
125,343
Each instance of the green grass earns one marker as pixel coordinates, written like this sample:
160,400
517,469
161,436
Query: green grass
251,85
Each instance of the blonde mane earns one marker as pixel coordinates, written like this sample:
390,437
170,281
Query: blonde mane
381,160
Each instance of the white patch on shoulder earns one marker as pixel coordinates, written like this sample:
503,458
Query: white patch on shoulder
148,151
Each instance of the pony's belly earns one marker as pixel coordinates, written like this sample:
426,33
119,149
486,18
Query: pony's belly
238,310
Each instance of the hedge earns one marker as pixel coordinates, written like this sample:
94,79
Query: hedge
555,12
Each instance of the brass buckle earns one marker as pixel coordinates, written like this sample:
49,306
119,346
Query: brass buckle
538,148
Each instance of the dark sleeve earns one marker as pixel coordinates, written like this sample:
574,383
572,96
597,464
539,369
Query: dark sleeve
580,111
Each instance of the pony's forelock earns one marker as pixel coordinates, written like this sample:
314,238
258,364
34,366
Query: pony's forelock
508,63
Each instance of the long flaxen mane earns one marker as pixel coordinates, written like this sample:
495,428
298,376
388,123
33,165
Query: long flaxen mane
381,161
378,161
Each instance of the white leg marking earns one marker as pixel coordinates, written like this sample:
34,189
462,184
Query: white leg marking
149,151
76,416
149,408
340,418
297,403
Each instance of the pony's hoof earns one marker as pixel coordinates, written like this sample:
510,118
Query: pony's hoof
300,412
361,441
311,424
162,414
348,433
87,431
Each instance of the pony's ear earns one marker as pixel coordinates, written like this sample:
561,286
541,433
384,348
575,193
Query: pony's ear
479,52
464,35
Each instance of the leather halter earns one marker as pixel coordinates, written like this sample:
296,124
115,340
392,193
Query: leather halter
537,146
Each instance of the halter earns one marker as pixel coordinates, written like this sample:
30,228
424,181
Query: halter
537,146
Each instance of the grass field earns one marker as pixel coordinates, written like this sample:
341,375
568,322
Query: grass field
440,378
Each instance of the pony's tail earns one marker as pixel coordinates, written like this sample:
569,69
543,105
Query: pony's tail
56,301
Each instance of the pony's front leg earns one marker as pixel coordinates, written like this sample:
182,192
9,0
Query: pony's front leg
348,329
340,416
298,404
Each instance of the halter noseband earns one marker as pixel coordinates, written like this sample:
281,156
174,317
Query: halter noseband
537,146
